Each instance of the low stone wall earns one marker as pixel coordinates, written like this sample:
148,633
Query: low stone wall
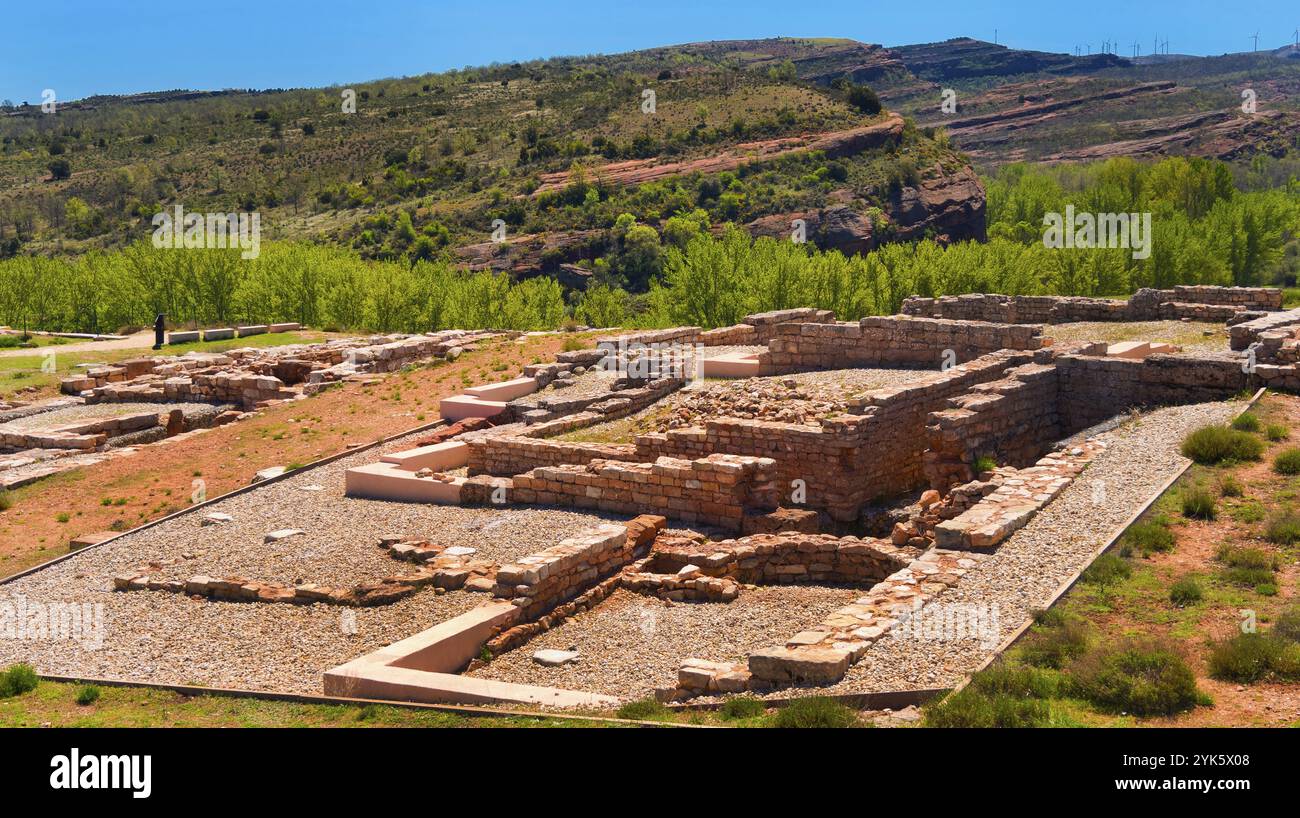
1095,389
515,454
1242,335
539,582
715,490
1011,419
784,558
848,460
1011,506
890,341
1199,303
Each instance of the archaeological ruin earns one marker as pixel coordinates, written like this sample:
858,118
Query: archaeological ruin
683,513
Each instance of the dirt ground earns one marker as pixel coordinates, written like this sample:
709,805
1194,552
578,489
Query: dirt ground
1141,605
160,479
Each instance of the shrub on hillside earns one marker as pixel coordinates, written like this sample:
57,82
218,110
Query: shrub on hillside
1198,504
742,707
1106,570
1210,445
1250,657
1287,461
815,712
1149,536
1276,432
18,679
1185,591
1054,640
1288,624
1246,422
1283,528
1141,678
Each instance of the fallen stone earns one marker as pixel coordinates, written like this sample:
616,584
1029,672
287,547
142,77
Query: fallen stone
555,658
216,518
267,474
282,533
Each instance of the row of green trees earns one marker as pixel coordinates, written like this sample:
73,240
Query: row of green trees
1204,231
317,286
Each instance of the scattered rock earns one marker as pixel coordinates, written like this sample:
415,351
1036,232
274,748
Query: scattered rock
555,658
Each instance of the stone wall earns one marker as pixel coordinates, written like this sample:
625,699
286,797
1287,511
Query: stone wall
1242,335
1095,389
1201,303
784,558
890,341
539,582
848,460
1012,420
714,490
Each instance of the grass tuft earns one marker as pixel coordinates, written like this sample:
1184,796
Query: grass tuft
1185,591
1211,445
1287,461
17,680
1141,678
815,712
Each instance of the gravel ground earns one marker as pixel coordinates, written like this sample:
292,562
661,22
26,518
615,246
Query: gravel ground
164,637
631,644
1188,335
96,411
815,395
587,385
1028,567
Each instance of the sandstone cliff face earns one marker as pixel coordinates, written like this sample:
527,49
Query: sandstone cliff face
946,206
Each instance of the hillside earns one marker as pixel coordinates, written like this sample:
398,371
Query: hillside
753,132
555,149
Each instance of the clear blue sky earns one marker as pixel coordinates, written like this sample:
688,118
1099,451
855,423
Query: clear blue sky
84,47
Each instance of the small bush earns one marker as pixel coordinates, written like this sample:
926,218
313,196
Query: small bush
984,463
643,710
972,707
1210,445
1248,577
1107,570
1054,641
1185,591
1266,589
6,500
1242,557
369,712
815,712
1283,528
1287,461
1148,537
742,707
1250,657
1024,682
1230,486
1288,625
1141,678
87,694
1198,504
1246,422
17,680
1276,432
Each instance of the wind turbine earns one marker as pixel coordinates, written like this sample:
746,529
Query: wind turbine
1137,49
1255,37
1297,37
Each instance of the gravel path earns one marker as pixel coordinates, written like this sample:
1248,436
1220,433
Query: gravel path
1028,567
165,637
631,644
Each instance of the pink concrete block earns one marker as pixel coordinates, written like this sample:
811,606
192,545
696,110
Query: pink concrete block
451,454
386,481
459,407
504,391
1129,349
732,365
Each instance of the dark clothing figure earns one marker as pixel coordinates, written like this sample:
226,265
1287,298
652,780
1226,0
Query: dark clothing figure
159,327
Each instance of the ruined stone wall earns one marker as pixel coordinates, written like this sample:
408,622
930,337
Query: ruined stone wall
1198,303
1095,389
785,558
538,582
1242,335
847,460
507,455
1012,419
889,341
716,490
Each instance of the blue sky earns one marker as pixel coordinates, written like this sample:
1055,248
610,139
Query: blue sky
84,47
